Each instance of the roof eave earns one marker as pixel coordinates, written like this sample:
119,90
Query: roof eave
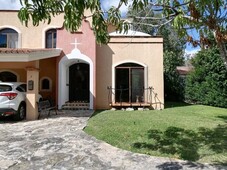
29,56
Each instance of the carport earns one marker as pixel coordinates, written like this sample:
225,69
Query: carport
28,60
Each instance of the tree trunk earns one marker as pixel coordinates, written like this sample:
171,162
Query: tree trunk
222,49
223,52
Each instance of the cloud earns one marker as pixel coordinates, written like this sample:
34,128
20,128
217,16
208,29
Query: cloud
10,4
107,4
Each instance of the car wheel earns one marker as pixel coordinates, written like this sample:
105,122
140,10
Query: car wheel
21,112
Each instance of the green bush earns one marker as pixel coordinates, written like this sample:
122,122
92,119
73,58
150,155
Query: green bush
207,84
173,83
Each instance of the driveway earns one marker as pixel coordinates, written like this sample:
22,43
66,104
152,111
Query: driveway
59,143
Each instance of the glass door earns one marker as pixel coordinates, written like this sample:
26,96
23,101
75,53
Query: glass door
137,84
122,85
129,83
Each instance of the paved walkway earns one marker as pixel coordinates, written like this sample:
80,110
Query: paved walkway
59,143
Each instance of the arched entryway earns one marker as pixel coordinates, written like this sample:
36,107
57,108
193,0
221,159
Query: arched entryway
76,79
79,82
8,76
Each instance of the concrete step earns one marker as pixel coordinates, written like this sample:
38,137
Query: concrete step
76,106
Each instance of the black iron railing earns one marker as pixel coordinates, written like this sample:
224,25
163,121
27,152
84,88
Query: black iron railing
129,95
134,97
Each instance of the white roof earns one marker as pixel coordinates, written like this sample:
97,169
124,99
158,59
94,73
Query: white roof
130,33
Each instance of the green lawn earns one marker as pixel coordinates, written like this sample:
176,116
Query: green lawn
189,132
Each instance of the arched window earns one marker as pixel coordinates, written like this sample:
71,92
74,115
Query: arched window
45,84
8,38
51,36
129,82
7,76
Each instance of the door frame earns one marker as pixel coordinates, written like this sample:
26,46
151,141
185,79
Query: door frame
129,61
63,76
130,78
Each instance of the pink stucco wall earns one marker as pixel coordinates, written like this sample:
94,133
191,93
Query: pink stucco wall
87,46
85,37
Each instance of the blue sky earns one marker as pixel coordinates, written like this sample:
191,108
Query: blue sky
190,48
15,5
10,4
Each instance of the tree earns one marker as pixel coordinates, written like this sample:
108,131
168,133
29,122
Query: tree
173,83
207,84
173,49
143,25
203,15
173,56
74,10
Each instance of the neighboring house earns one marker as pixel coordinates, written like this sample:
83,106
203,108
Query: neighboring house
184,70
72,68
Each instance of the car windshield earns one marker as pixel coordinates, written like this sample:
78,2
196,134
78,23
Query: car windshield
4,88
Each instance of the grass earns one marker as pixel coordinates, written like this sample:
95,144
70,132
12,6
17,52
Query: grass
189,132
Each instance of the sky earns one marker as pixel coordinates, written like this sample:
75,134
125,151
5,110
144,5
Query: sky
10,4
189,48
15,5
106,4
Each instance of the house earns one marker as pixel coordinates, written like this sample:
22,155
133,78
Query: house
184,70
73,68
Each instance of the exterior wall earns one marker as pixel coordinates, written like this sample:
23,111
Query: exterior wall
21,73
17,65
146,51
29,37
104,75
47,69
142,50
18,68
32,95
34,37
73,53
85,39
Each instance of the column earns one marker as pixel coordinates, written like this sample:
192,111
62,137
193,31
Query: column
32,94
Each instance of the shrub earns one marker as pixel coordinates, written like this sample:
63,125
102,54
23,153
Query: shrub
207,84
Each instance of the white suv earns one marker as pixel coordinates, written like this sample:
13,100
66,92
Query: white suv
12,99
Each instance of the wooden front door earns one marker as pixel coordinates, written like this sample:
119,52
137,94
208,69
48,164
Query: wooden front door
79,82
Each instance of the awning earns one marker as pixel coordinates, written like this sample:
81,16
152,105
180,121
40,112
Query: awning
26,55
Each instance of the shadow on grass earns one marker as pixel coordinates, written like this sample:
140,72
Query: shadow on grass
223,117
175,104
180,165
186,143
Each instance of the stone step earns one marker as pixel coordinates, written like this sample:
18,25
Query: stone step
76,106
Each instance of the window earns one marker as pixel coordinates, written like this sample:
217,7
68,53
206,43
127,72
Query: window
129,82
45,84
22,88
7,76
8,38
4,88
51,36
